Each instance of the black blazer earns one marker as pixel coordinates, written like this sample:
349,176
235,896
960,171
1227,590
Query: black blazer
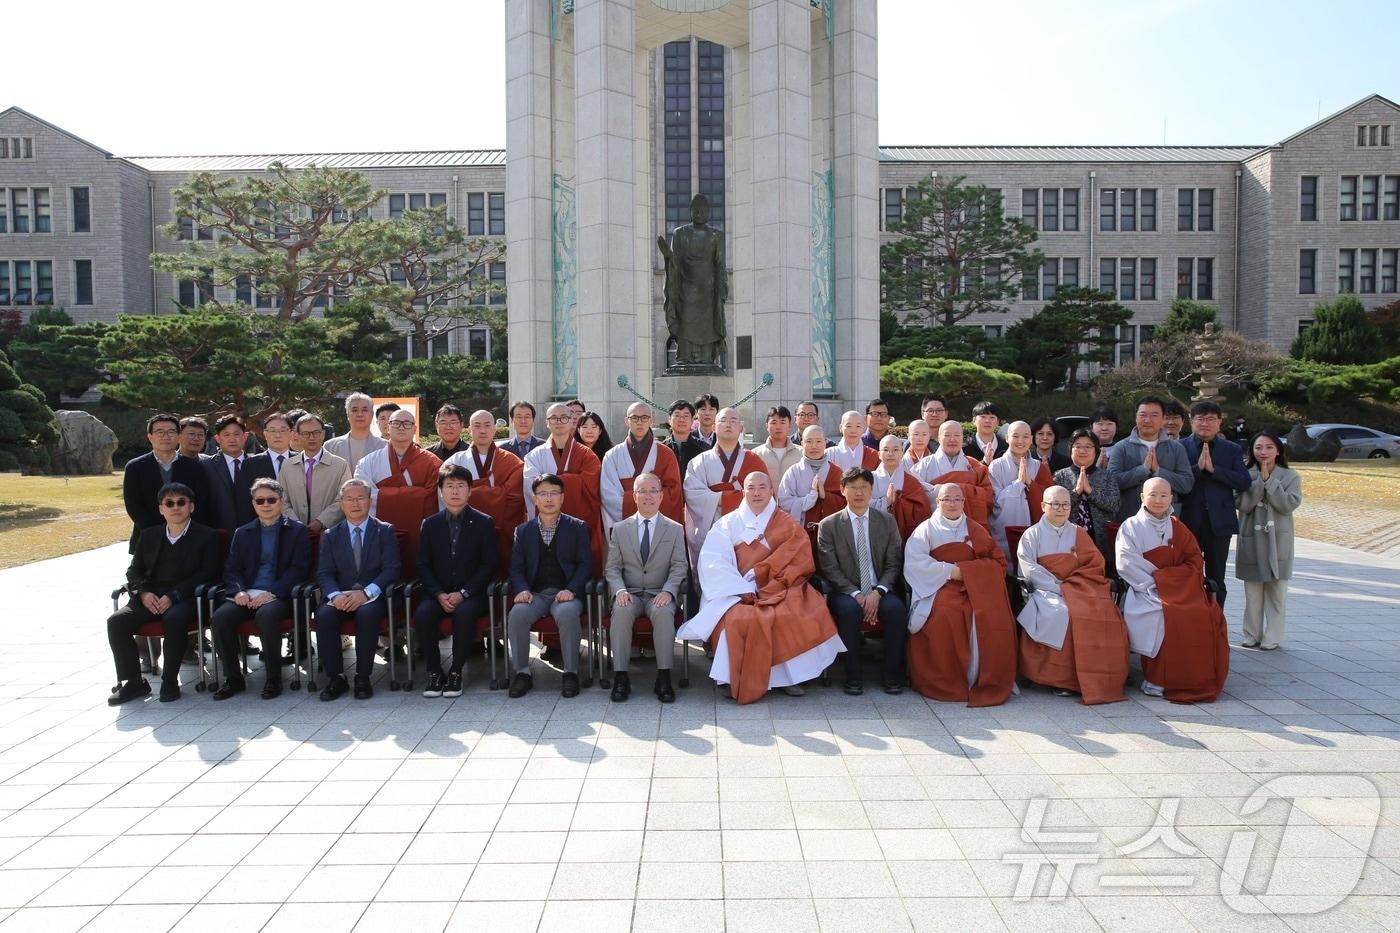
195,556
973,450
379,559
293,564
471,569
230,508
571,545
141,482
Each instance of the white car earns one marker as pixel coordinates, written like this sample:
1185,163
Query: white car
1359,442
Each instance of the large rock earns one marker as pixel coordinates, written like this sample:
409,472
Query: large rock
84,447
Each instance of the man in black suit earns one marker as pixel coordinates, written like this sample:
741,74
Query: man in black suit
456,560
229,475
144,476
267,557
169,561
549,566
359,560
985,444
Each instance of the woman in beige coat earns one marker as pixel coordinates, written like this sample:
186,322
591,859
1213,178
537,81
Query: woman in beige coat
1264,553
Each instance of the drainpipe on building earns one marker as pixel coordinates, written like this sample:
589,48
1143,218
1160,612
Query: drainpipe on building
151,213
1235,273
1091,224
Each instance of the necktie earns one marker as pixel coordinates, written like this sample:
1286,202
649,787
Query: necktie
237,464
357,541
280,458
310,467
646,539
867,569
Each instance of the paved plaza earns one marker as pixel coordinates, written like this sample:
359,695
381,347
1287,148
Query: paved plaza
824,812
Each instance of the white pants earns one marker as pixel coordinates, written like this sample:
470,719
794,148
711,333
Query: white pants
1265,611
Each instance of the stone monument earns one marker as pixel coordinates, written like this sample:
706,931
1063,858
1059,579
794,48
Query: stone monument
84,446
620,112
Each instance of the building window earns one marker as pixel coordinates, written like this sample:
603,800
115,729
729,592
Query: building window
1388,263
479,343
1201,273
1303,324
1373,134
4,282
43,211
675,78
19,209
1347,191
1346,270
1127,280
1307,198
1195,209
82,282
709,99
82,210
16,147
1030,286
43,282
261,300
1370,190
1049,209
439,346
185,293
894,206
1366,280
1108,276
1030,207
498,279
1307,272
1069,209
476,214
1126,351
4,212
1069,273
243,289
1108,218
1147,279
1049,278
1391,203
1127,209
1147,210
396,206
24,283
496,213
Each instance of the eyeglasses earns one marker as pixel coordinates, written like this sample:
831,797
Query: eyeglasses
316,433
165,432
935,411
1086,447
264,500
179,503
558,419
646,492
401,424
638,419
549,493
1057,505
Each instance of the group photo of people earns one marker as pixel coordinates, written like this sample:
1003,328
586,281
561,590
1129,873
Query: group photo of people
981,560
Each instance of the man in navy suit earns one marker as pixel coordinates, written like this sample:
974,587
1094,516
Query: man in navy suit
230,474
456,559
267,557
359,561
144,476
549,566
1209,508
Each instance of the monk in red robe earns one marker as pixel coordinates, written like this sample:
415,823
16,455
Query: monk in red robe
962,637
768,627
497,484
405,484
640,453
1072,637
948,464
1172,621
898,491
714,479
580,470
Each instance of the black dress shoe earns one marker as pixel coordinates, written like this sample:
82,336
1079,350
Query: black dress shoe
663,689
622,687
272,690
336,689
892,687
131,690
169,691
570,689
231,687
520,685
433,688
363,691
853,688
453,687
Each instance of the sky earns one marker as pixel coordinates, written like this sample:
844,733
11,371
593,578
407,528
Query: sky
316,76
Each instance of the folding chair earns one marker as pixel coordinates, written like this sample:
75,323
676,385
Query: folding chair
154,631
548,631
643,635
407,592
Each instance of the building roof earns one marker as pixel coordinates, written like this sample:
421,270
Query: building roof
1067,153
250,163
1340,113
57,129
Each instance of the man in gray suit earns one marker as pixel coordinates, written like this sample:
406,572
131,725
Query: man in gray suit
860,555
646,570
313,478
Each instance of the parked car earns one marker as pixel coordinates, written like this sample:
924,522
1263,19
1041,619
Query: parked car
1358,442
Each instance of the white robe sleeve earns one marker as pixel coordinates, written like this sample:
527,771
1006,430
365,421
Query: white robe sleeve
701,503
533,469
374,469
924,575
1142,607
795,492
610,485
721,584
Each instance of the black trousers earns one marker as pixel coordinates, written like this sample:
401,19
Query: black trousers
269,620
1215,549
366,619
892,615
426,619
122,626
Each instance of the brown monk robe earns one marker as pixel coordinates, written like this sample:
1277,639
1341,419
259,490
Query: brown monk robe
1172,622
1072,637
405,484
579,468
948,464
498,485
962,637
898,491
773,630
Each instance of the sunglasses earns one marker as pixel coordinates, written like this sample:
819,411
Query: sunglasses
179,503
265,500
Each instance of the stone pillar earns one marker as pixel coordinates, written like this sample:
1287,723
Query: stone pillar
857,185
529,157
780,95
605,113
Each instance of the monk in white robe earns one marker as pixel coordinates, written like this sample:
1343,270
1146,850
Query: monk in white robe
851,451
1072,637
640,453
1172,622
948,464
769,628
919,438
714,479
962,637
898,491
1019,481
811,488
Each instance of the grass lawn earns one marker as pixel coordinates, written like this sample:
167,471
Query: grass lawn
1355,503
49,516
